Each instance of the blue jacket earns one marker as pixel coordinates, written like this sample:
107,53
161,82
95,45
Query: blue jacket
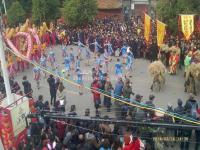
118,88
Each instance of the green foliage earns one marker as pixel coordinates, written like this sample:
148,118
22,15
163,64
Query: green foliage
27,5
78,12
16,14
45,10
168,11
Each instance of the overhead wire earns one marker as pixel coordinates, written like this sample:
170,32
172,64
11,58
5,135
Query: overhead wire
116,98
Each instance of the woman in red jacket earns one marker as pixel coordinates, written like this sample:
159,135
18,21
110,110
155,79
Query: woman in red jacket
95,86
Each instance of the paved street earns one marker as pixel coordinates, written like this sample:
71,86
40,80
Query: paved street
141,79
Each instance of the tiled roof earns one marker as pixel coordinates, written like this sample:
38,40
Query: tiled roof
109,4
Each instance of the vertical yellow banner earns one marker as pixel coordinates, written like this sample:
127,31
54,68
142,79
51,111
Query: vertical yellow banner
147,27
160,32
187,25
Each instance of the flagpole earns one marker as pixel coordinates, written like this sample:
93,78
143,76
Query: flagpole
9,96
4,5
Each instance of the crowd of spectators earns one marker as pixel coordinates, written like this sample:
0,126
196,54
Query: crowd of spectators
55,134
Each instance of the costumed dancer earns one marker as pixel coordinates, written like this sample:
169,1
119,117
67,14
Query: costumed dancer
106,60
124,53
80,80
109,49
64,51
52,59
173,61
129,62
67,65
80,48
37,75
88,56
78,63
98,61
118,68
35,53
97,47
43,63
11,65
157,71
53,38
72,58
25,63
20,64
57,71
187,62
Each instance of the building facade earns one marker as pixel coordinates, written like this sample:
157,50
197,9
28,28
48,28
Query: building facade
135,8
109,8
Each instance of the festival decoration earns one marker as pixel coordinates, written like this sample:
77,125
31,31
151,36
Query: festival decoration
157,71
160,32
29,43
187,25
147,27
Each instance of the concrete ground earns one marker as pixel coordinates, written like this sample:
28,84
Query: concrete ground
141,80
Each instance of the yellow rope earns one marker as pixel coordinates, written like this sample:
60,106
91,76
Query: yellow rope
112,98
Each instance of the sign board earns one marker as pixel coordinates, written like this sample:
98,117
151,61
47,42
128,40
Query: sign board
18,115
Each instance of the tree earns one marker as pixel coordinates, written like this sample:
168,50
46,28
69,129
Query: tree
27,6
78,12
45,10
168,11
16,14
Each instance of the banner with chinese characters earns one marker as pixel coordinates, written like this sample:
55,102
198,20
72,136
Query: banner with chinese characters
187,25
147,27
18,114
160,32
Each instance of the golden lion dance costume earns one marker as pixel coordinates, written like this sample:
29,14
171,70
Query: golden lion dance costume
174,60
192,74
157,71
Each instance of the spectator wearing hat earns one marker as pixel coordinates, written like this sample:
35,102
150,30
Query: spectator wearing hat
179,109
191,107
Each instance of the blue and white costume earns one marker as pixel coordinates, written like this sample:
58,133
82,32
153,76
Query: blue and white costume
78,64
124,51
118,69
43,61
79,77
67,63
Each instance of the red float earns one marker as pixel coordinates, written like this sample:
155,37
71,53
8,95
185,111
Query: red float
13,123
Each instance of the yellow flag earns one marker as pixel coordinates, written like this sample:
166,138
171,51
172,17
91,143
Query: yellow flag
187,25
160,32
147,27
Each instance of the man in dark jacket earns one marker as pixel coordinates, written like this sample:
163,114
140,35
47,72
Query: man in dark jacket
153,51
52,88
27,87
179,109
150,103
